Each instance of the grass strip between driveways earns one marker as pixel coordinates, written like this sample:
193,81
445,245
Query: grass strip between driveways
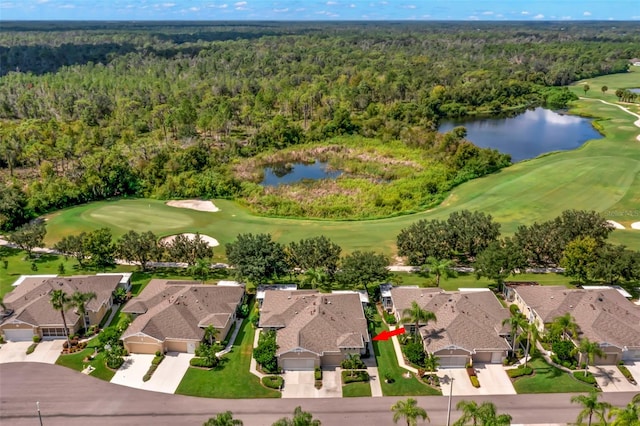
548,379
388,364
232,379
356,389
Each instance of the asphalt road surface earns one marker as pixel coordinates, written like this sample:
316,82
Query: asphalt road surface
70,398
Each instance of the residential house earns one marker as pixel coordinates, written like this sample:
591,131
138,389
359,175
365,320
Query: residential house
603,315
314,329
32,313
172,315
469,325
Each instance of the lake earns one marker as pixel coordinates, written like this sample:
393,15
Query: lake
285,173
527,135
636,90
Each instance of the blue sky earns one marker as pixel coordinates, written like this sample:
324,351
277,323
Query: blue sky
287,10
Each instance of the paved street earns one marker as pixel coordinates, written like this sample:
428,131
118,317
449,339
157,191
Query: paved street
70,398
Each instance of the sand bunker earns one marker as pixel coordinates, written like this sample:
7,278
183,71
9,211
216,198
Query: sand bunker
615,224
203,206
210,240
635,225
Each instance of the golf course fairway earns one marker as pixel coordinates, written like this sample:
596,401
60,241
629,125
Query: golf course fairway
602,175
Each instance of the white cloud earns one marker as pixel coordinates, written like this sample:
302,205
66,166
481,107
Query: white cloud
194,9
67,6
524,12
586,13
472,18
6,5
286,9
566,18
409,6
168,4
240,3
42,1
539,16
499,15
352,5
487,13
331,3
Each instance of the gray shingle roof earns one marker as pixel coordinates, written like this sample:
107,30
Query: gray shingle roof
320,323
181,309
468,320
603,316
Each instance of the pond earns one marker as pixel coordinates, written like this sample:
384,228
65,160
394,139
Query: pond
285,173
636,90
528,135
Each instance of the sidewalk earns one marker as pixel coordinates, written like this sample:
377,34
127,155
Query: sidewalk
396,347
253,367
231,339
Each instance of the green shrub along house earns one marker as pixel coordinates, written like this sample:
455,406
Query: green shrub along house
314,329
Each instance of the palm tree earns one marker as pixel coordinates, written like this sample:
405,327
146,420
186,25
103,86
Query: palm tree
417,315
210,333
410,411
61,302
530,331
440,268
484,414
590,406
627,416
590,350
636,399
431,362
490,417
223,419
78,301
470,413
315,277
516,322
565,325
299,418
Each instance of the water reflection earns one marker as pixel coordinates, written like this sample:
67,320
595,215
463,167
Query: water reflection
284,173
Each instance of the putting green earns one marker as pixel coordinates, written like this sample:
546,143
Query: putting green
602,175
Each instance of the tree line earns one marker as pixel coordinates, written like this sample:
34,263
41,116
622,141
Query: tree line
162,110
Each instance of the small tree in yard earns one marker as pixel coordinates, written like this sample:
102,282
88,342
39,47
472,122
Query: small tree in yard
416,315
29,236
586,88
210,333
60,302
590,406
588,350
265,352
440,268
223,419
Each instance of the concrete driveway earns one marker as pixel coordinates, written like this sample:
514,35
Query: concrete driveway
301,384
610,379
165,379
46,352
634,368
492,377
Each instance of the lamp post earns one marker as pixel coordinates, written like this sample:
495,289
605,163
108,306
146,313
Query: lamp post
39,415
449,405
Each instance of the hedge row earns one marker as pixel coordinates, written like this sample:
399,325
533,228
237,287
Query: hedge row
354,376
585,377
201,362
520,371
273,382
626,373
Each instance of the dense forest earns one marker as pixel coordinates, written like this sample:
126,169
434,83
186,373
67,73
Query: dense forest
98,110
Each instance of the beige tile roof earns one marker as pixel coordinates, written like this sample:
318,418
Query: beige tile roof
603,316
31,299
467,320
181,309
320,323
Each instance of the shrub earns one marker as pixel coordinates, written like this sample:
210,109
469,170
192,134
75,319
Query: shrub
585,377
273,382
354,376
414,351
158,353
353,362
317,373
115,362
202,362
563,350
520,371
31,348
513,308
265,352
389,318
388,377
157,359
626,373
149,373
474,381
36,338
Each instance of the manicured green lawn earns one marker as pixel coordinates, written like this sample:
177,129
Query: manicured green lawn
233,379
388,363
548,379
602,175
75,362
356,389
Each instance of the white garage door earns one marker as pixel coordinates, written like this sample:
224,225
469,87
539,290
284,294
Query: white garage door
298,364
19,335
453,361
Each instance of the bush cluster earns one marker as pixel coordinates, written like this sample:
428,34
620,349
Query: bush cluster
31,348
473,376
317,373
201,362
520,371
273,382
354,376
626,373
585,376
